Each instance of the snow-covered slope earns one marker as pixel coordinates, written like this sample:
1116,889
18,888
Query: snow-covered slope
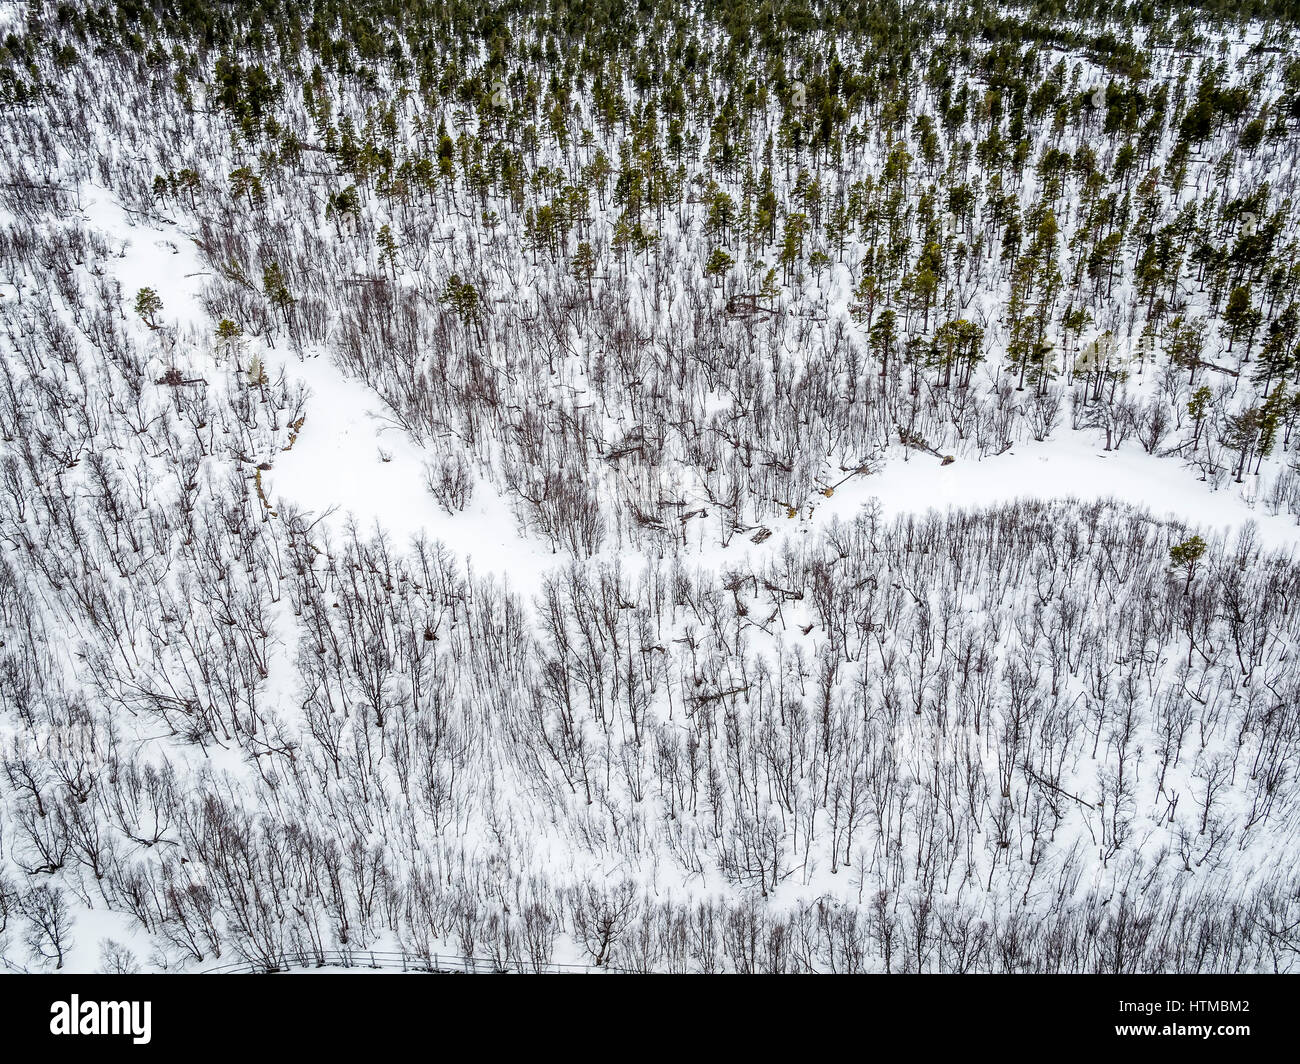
815,500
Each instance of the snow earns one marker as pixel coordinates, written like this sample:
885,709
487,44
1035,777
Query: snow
351,462
352,465
149,257
1071,466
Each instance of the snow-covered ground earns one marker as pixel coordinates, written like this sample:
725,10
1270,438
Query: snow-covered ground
1071,465
781,716
350,462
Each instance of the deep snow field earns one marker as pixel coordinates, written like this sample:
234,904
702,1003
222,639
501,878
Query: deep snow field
406,581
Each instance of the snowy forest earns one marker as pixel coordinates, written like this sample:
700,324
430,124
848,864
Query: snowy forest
650,485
